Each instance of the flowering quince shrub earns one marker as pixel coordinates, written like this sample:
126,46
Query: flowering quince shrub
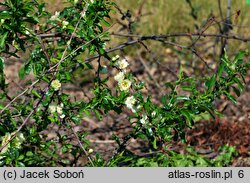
53,45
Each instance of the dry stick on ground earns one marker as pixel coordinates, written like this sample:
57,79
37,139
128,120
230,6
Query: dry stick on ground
102,141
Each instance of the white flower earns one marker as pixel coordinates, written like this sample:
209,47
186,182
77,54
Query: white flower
120,76
59,110
144,119
5,139
27,32
130,103
122,64
62,116
90,151
124,85
104,45
153,114
20,137
18,140
150,131
56,84
115,58
65,24
138,107
52,109
55,17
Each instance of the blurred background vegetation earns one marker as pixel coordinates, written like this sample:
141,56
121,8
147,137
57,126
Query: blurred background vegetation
173,16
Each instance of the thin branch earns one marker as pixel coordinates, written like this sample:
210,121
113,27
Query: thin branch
14,99
82,147
195,34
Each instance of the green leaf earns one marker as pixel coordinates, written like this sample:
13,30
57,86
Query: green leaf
35,93
239,83
32,19
21,73
230,97
239,57
25,70
2,162
2,78
174,99
202,162
186,113
89,66
21,157
46,79
102,51
210,83
29,153
5,15
1,65
236,90
105,23
2,39
76,119
1,106
187,88
209,110
169,84
220,69
180,76
116,138
155,143
98,114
